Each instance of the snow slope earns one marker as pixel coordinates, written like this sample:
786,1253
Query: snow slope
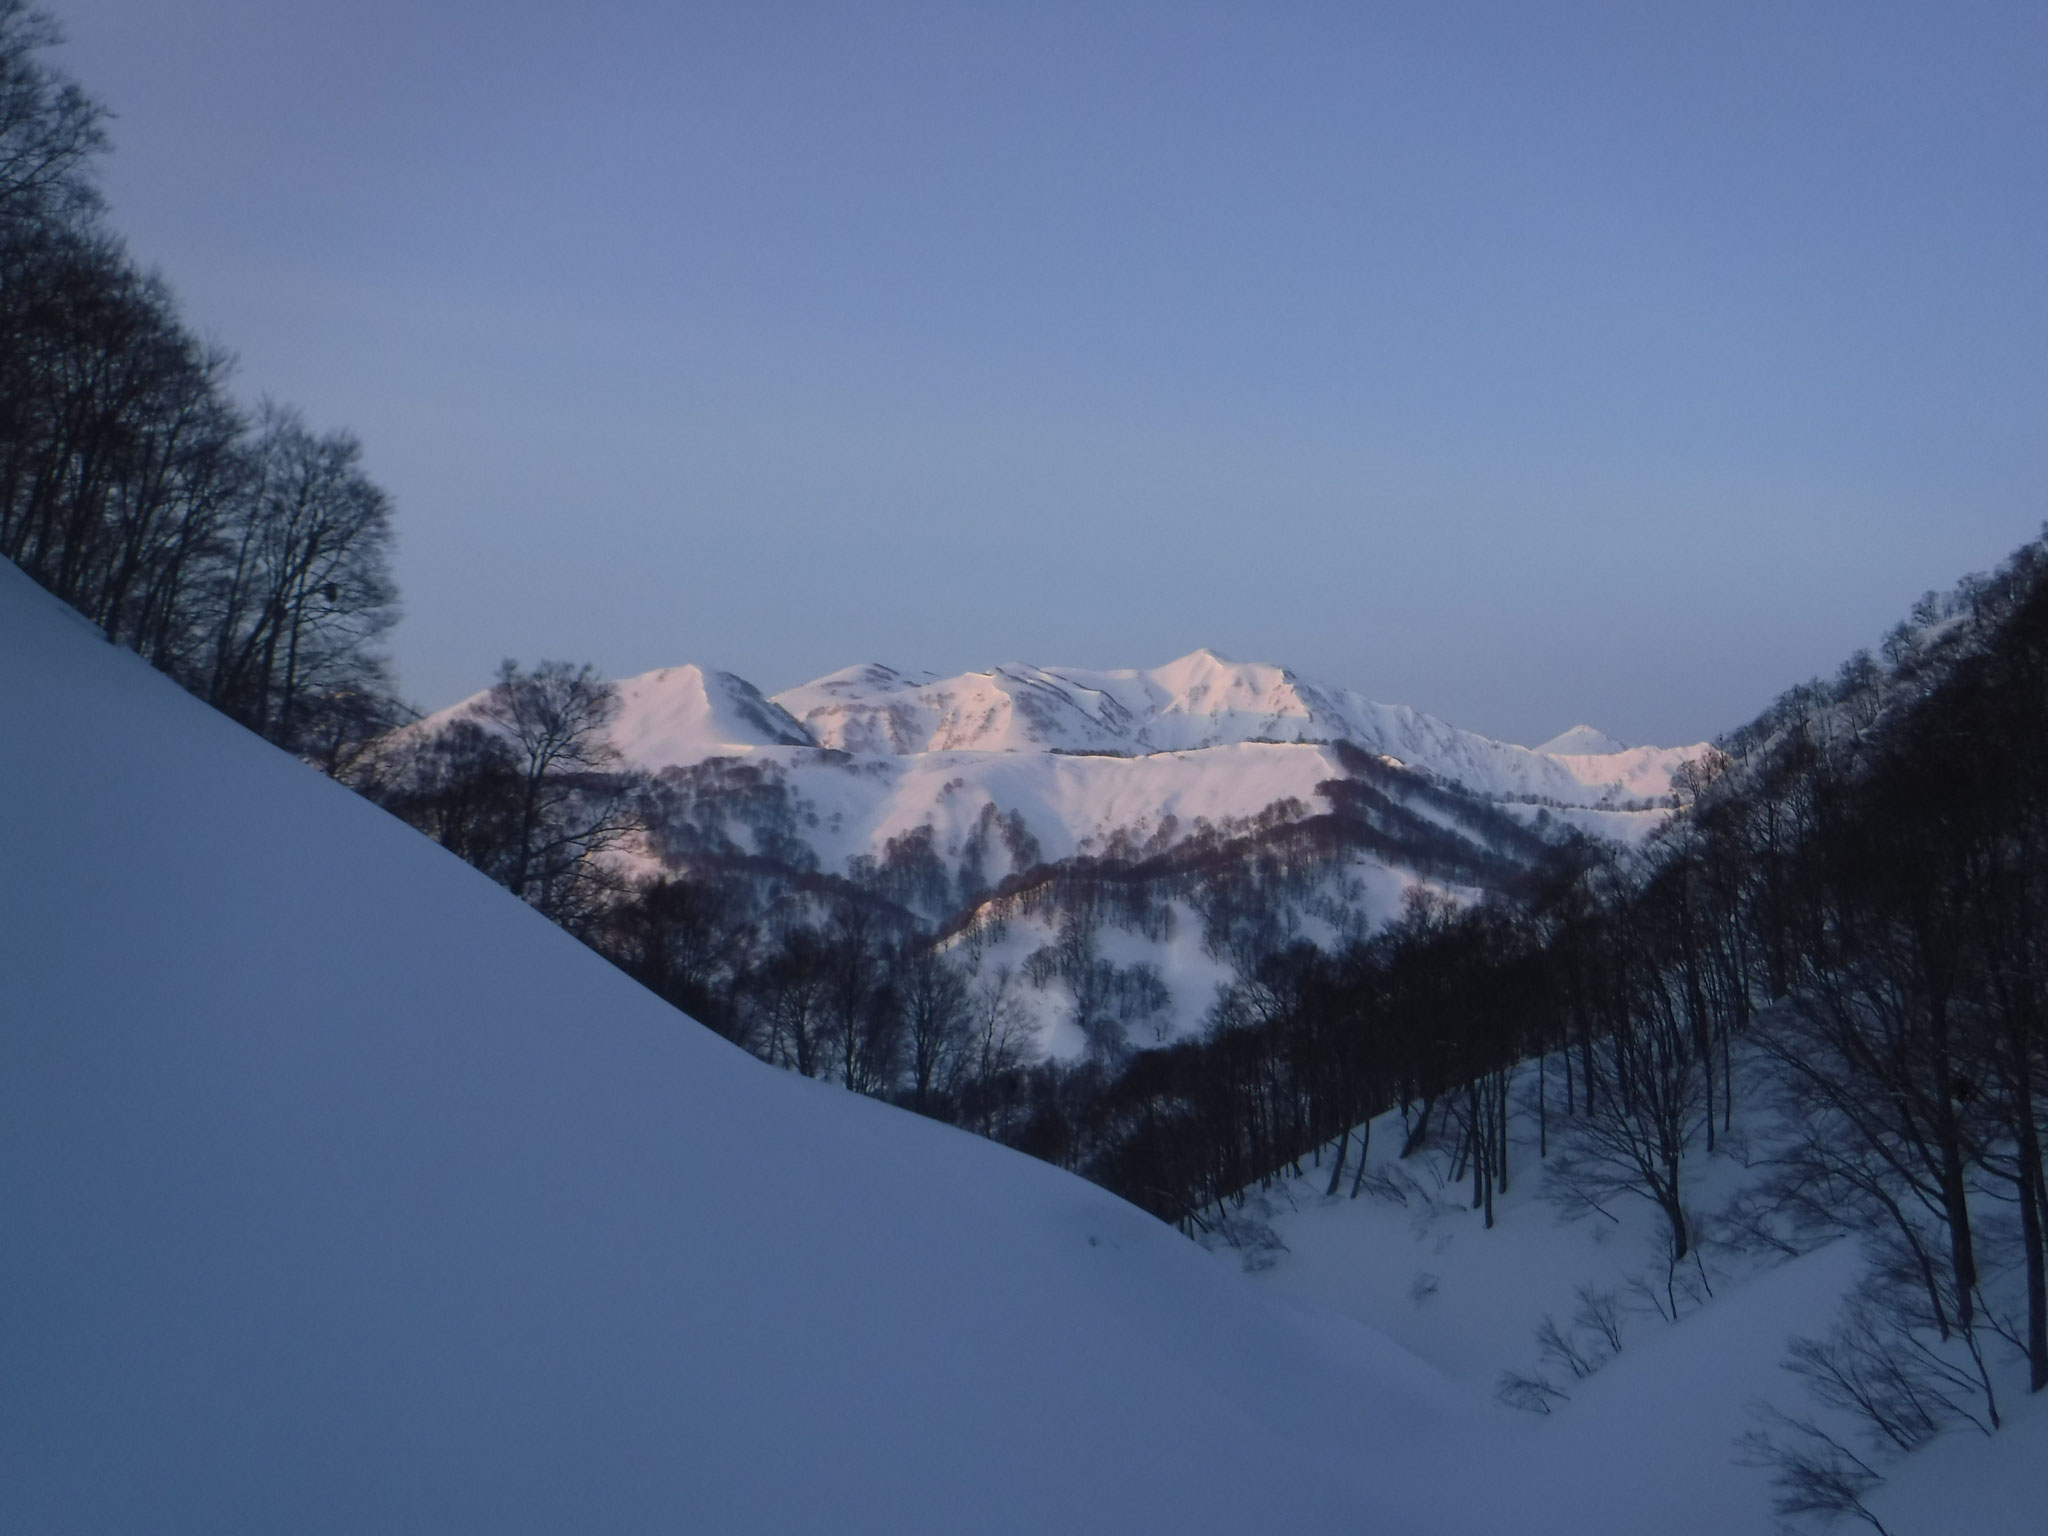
1071,804
339,1192
1653,1434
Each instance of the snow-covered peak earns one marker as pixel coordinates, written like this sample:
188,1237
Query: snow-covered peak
865,679
686,714
677,716
1581,741
1204,699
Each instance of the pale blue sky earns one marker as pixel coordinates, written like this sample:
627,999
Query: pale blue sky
1527,363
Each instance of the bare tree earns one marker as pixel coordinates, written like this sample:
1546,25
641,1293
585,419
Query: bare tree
571,807
932,993
999,1044
459,784
687,940
306,590
49,128
788,998
1633,1136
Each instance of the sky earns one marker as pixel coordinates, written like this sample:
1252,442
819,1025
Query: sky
1526,364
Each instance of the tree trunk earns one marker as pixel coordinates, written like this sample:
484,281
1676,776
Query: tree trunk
1364,1146
2037,1282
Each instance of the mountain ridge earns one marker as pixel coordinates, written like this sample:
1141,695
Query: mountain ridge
682,715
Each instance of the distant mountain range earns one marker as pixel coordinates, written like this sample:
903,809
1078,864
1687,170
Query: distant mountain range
1250,807
680,716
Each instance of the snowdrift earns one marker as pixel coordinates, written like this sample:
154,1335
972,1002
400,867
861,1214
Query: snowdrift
340,1192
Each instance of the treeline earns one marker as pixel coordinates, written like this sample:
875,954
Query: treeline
240,551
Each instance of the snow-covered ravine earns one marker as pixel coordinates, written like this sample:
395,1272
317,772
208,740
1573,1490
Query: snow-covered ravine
1650,1439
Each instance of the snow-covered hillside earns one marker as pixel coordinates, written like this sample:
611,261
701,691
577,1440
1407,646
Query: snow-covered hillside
1070,804
341,1192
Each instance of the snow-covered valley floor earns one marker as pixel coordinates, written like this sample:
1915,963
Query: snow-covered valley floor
1649,1440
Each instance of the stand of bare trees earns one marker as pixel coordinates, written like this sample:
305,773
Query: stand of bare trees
247,556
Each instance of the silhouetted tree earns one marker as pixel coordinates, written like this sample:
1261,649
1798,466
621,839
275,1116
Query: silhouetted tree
571,810
305,590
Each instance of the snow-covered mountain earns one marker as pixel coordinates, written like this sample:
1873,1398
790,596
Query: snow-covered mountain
679,715
936,794
1197,702
1581,741
682,715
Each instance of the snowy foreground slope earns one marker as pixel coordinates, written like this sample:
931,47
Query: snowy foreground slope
340,1192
